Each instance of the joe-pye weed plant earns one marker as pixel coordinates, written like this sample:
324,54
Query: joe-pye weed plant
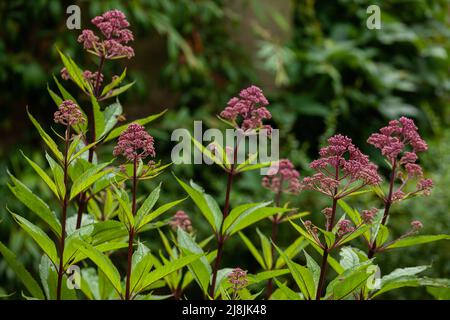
92,244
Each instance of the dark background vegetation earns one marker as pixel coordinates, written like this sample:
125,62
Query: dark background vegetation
321,68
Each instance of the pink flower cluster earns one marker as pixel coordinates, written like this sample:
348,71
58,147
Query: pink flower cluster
69,114
181,220
135,143
113,25
400,142
344,227
249,109
285,179
238,279
368,215
341,161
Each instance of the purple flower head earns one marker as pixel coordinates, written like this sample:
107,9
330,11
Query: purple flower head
369,215
344,227
400,142
416,225
393,139
286,178
92,77
238,279
65,74
181,220
341,165
69,114
113,26
248,110
135,143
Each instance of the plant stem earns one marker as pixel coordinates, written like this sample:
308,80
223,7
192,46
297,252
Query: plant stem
82,199
131,233
326,250
387,207
220,237
273,237
65,204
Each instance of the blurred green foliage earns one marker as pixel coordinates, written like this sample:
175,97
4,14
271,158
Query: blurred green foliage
328,73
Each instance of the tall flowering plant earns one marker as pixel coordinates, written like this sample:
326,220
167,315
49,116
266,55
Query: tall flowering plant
102,210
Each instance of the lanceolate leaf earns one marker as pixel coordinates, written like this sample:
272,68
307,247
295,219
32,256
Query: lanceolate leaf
88,178
168,268
208,209
253,250
25,277
117,131
155,214
35,204
39,236
250,216
47,139
104,264
200,268
414,240
302,276
99,118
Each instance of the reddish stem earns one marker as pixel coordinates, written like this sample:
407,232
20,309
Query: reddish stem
387,207
65,204
131,234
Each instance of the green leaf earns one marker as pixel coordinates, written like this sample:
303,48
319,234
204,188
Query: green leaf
303,277
142,263
88,178
266,275
148,204
248,214
353,235
200,268
313,267
39,236
155,214
205,203
253,250
266,248
331,261
291,251
99,118
47,139
110,115
352,213
57,99
406,277
117,131
58,175
382,236
35,204
117,91
104,264
349,258
114,83
208,153
289,293
25,277
75,72
349,281
168,268
414,240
